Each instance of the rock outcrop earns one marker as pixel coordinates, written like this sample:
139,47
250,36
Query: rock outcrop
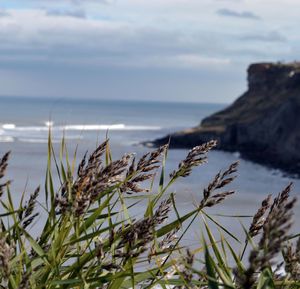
263,124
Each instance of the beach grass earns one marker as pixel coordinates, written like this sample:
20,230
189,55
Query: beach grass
93,237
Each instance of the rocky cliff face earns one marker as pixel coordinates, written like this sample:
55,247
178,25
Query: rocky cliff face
263,124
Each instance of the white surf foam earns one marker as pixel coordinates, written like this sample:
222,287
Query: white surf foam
10,132
35,140
49,123
77,127
6,139
108,127
9,126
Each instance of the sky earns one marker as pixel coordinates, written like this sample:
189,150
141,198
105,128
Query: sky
170,50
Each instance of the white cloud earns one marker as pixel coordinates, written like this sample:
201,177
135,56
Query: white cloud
34,36
180,36
67,37
198,61
176,61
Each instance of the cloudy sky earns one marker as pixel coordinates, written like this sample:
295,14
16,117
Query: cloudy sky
194,50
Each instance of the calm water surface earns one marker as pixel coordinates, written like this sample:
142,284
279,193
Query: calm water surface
24,125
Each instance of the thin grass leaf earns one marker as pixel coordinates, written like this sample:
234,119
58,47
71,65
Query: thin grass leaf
212,278
213,243
221,227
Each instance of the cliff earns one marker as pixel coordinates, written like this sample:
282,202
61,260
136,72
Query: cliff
263,124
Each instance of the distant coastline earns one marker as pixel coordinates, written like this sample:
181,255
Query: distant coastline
263,124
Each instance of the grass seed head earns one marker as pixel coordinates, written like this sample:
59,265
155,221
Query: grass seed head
274,236
7,252
195,157
258,219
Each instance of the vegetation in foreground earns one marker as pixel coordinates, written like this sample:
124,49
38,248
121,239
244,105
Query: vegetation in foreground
91,239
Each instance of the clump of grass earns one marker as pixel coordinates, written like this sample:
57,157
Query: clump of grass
93,238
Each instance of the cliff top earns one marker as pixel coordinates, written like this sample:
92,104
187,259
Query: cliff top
279,65
269,84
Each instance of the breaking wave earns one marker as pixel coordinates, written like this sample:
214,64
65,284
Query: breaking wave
37,134
80,127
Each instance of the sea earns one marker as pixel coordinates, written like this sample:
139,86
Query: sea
24,128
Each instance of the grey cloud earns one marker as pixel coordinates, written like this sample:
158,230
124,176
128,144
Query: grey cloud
232,13
117,47
78,13
111,47
115,44
273,36
4,13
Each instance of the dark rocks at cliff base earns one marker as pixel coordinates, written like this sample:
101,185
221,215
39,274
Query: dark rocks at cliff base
263,124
